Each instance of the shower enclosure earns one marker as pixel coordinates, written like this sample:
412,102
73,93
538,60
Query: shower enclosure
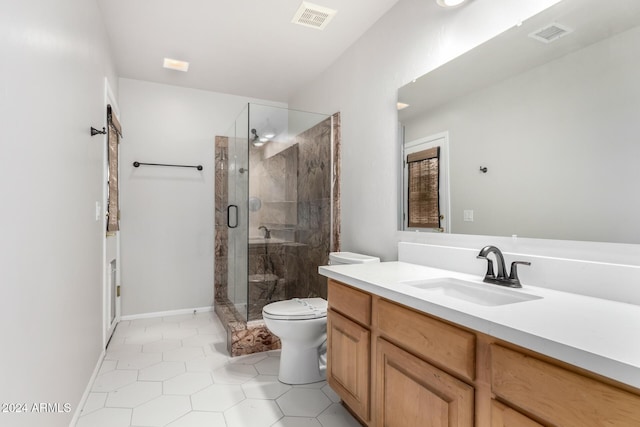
275,218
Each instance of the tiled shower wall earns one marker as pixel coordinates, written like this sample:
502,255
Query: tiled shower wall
220,217
314,211
303,236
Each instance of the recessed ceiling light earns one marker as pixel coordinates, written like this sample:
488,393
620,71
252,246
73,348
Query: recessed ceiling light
175,64
401,106
449,3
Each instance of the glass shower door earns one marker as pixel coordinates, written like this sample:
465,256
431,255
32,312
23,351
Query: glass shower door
290,190
237,213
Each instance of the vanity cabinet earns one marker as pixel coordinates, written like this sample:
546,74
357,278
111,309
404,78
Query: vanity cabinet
394,366
405,390
349,347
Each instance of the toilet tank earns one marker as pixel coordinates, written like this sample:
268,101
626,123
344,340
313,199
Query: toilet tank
337,258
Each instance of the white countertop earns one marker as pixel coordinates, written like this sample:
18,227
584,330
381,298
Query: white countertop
599,335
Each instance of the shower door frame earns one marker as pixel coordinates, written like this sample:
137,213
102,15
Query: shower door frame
237,213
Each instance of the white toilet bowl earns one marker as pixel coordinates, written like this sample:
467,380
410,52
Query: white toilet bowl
301,325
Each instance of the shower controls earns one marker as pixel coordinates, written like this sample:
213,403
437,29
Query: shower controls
267,232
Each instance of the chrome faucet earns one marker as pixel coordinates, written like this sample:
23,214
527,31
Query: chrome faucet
267,232
513,281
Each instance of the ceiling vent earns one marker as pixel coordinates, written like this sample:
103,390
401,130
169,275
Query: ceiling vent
551,33
314,16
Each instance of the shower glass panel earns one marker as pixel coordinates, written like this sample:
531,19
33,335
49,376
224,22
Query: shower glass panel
289,204
278,209
237,217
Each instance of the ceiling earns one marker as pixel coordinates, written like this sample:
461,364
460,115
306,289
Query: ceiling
514,52
241,47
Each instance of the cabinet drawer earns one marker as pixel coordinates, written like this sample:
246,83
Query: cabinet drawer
503,416
436,341
557,395
350,302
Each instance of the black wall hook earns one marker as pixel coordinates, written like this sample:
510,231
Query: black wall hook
483,169
95,131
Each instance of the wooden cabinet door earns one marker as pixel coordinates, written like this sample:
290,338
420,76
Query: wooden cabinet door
348,362
413,393
503,416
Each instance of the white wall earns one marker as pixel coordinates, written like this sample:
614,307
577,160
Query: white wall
56,57
167,222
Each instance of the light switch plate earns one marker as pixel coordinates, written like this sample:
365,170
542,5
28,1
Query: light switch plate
98,209
468,215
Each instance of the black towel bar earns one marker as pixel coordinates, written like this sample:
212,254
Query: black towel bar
137,164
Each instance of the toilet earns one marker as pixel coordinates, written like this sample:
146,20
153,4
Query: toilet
301,325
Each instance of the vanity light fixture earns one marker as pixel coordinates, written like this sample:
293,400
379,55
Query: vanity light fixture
449,3
401,106
175,64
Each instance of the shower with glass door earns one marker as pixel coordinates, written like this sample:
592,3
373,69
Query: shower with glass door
275,219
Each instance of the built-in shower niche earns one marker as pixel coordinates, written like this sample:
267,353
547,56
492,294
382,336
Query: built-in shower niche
274,182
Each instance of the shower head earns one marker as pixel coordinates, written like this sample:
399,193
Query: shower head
256,140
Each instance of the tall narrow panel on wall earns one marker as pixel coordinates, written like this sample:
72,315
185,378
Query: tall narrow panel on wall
335,176
115,133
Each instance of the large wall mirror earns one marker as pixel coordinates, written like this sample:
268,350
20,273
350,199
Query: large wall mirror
543,126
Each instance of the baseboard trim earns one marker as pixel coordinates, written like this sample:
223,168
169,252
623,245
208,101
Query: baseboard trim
167,313
87,391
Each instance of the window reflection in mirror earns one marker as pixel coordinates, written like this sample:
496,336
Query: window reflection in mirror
426,189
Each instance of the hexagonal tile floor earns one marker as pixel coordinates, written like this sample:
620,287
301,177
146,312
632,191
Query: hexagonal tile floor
168,371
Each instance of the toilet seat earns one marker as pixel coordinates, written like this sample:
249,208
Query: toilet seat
296,309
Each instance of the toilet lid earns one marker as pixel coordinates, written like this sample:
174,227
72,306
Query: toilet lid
296,309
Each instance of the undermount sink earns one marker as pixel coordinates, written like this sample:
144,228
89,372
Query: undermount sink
476,293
